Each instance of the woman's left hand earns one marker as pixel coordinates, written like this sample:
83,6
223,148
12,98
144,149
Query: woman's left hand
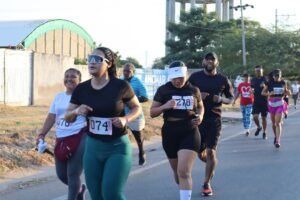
119,122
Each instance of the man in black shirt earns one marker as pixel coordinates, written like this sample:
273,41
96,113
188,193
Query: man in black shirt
260,105
215,90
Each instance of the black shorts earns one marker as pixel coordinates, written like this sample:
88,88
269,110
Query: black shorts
286,99
210,131
177,135
295,96
261,108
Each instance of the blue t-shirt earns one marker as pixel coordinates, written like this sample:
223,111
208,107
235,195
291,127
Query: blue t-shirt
139,90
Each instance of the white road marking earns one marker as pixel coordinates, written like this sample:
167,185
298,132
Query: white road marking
65,197
147,167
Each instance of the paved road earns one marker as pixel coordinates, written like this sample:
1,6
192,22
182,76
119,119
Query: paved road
249,168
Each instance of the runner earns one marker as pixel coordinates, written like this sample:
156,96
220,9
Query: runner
67,170
182,109
136,126
102,99
215,89
276,89
260,105
295,87
244,91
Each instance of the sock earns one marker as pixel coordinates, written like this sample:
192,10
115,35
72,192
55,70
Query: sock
185,194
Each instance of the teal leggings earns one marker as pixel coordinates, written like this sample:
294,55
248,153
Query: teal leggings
106,167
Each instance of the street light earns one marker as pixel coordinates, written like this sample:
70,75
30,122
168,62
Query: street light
243,7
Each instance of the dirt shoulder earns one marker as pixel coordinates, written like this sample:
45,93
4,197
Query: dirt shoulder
19,127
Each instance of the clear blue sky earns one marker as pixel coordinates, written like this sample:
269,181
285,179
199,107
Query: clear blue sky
135,28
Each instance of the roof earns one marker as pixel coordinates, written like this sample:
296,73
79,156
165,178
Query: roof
14,33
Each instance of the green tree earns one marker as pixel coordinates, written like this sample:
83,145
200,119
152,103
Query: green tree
199,32
158,64
133,61
193,36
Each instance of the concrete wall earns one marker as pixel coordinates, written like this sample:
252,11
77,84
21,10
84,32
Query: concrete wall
35,78
15,77
48,74
48,71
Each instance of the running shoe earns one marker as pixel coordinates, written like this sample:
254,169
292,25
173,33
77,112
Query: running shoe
81,195
247,133
257,131
264,136
207,190
277,143
142,159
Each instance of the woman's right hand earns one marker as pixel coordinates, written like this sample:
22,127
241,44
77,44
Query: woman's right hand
40,136
83,110
171,104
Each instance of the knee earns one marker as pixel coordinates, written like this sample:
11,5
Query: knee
211,155
278,124
202,156
63,178
138,136
184,174
112,195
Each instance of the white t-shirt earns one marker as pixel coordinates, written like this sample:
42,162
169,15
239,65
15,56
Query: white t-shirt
59,107
295,88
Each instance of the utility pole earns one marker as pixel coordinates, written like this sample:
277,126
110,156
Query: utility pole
243,7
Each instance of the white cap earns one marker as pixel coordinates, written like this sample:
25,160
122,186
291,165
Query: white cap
176,72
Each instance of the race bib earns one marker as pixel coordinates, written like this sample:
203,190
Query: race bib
61,123
278,90
184,102
246,91
100,126
276,103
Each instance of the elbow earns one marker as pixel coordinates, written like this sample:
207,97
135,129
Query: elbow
140,111
137,110
152,114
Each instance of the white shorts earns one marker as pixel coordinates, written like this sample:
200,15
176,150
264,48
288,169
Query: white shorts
137,124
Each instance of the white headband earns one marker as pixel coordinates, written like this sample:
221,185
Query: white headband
176,72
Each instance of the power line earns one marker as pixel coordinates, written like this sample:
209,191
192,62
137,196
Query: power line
276,19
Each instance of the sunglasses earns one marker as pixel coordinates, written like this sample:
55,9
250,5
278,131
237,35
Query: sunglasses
95,59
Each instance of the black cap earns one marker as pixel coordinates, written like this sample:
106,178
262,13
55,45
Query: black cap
258,67
211,55
276,72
